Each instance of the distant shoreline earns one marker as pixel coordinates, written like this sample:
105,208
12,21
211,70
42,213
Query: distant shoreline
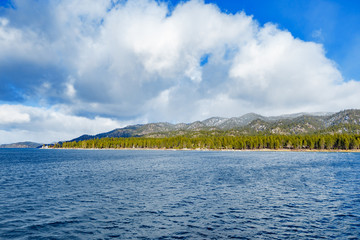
222,150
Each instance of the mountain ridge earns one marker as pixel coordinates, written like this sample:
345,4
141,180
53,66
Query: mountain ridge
346,121
26,144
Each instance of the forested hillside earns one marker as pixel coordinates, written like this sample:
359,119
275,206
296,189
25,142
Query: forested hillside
347,121
298,131
295,142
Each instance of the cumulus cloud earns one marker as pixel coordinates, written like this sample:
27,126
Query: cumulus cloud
9,115
20,123
137,60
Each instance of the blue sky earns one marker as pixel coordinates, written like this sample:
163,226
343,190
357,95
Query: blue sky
85,66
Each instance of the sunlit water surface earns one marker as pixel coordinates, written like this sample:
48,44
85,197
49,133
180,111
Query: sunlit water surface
87,194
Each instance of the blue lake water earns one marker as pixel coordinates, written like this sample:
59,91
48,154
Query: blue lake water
87,194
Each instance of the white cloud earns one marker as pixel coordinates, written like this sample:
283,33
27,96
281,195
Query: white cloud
10,115
275,69
16,43
20,123
136,60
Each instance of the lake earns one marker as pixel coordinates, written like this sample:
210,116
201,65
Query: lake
124,194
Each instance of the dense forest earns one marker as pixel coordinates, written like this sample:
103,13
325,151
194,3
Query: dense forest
295,142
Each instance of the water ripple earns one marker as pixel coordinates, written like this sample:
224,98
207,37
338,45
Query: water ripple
50,194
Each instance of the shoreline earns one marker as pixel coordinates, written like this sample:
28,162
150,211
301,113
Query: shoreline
222,150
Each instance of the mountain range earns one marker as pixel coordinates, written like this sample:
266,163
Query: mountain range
347,121
21,145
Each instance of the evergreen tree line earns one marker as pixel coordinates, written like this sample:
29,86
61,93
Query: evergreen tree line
330,142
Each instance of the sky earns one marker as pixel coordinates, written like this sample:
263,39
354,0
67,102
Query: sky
73,67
